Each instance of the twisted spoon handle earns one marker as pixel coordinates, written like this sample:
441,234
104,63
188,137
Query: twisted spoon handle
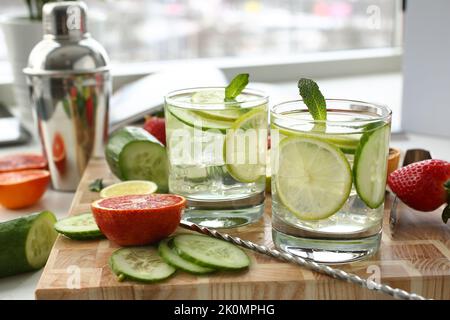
334,273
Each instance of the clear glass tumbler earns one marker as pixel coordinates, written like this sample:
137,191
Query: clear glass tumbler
329,179
217,154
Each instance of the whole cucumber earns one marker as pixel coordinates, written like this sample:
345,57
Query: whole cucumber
25,243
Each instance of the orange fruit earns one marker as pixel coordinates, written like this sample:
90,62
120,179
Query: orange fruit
138,219
22,161
20,189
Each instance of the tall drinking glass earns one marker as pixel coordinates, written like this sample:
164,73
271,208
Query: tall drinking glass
217,154
329,179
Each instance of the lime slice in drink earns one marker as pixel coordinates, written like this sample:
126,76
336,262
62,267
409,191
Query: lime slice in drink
194,119
370,166
245,146
347,143
129,187
212,97
313,179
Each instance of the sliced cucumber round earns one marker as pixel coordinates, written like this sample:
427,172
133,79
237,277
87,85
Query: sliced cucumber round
79,227
140,264
171,257
247,165
313,178
370,166
210,252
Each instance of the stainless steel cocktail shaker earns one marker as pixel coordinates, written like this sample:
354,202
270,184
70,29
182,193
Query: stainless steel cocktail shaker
70,86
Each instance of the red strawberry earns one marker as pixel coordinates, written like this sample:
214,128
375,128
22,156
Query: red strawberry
423,185
157,127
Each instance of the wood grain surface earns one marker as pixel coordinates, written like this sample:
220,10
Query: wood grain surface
416,258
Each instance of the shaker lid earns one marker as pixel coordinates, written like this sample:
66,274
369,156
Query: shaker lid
65,19
67,47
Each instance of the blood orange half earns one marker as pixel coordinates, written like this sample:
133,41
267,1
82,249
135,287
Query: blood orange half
138,219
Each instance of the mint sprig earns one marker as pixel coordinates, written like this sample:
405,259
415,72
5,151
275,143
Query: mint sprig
236,86
96,185
313,98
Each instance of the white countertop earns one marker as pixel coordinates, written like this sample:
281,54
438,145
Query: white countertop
383,88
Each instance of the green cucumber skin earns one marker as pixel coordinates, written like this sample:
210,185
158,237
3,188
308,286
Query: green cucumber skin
80,236
13,237
119,141
161,252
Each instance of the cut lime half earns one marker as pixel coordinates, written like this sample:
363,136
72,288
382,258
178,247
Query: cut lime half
245,146
194,119
313,178
129,187
346,142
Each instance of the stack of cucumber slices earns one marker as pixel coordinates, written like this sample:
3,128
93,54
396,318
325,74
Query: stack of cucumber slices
192,253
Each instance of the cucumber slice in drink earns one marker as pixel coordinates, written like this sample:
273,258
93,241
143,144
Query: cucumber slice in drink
25,243
194,119
370,166
140,264
243,153
210,252
313,179
212,97
173,258
79,227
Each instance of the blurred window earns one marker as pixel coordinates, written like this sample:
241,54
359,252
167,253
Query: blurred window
139,31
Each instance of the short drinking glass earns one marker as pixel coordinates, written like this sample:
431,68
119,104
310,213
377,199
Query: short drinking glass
329,179
217,154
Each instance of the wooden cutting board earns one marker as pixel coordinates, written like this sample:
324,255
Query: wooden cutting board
416,259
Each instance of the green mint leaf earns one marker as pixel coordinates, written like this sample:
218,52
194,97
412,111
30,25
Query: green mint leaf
236,86
446,213
96,185
313,98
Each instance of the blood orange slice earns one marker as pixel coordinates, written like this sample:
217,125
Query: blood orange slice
138,219
22,161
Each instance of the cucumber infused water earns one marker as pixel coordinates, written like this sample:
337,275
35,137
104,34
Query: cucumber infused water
217,141
328,177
